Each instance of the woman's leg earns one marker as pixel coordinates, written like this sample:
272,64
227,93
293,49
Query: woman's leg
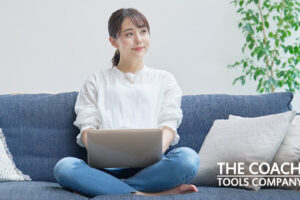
178,167
74,174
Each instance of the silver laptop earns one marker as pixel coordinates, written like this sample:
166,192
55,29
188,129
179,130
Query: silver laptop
120,148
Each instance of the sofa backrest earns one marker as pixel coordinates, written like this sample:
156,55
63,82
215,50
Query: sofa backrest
39,128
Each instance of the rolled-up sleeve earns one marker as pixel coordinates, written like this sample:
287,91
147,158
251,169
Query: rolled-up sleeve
170,113
86,108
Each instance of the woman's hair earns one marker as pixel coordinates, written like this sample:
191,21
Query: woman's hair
115,22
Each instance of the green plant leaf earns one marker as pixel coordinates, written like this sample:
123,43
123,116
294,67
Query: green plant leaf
271,35
280,74
239,10
284,48
241,3
255,19
267,24
240,78
251,45
261,90
248,27
256,74
256,51
290,48
260,54
282,32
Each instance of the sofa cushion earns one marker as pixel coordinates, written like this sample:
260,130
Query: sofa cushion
200,111
35,190
289,150
215,193
243,140
46,190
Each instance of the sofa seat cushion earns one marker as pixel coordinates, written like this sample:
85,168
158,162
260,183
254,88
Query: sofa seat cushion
216,193
32,190
35,190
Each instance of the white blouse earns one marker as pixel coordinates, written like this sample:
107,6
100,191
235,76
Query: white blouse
112,99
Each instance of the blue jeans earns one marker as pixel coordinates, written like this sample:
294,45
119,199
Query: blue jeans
177,167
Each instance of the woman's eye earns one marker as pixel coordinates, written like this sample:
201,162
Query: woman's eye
144,31
129,34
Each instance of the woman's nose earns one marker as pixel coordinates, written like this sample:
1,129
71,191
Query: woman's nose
138,39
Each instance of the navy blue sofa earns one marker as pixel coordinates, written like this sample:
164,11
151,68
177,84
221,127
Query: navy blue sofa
39,131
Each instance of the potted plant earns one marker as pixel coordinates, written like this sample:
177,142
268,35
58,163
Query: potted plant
271,52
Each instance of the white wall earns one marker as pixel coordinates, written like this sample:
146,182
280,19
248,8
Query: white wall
53,46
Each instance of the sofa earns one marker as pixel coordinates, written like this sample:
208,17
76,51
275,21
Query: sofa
39,132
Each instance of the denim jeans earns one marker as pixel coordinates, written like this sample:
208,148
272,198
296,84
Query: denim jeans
177,167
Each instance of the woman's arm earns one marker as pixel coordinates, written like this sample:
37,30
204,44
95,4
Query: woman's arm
86,108
168,135
170,114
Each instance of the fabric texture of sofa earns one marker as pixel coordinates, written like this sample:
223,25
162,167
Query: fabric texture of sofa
39,132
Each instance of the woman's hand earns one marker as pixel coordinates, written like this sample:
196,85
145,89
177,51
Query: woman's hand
168,135
84,137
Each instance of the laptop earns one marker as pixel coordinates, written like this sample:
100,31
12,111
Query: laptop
128,148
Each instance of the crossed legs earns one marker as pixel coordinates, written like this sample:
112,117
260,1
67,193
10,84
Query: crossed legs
170,175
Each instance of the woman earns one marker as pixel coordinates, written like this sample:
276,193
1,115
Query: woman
130,95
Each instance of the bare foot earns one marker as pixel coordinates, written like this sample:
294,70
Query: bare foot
181,189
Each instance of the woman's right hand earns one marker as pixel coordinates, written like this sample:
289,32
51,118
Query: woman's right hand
84,137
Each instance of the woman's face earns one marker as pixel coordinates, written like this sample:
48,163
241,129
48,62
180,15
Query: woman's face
132,41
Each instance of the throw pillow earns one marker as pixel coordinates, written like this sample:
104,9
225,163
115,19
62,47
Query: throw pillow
8,169
245,140
289,150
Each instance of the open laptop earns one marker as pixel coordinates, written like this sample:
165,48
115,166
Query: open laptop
118,148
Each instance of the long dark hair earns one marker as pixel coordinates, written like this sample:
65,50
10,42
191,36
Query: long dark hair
115,23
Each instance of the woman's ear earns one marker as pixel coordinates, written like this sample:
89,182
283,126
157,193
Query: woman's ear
113,42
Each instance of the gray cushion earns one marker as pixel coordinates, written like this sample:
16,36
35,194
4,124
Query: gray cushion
243,140
289,150
35,190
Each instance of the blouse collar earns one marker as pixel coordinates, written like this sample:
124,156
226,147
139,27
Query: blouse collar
128,75
132,74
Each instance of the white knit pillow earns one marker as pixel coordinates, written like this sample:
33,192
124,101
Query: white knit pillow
8,169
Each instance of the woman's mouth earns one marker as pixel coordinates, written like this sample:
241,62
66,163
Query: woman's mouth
138,49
